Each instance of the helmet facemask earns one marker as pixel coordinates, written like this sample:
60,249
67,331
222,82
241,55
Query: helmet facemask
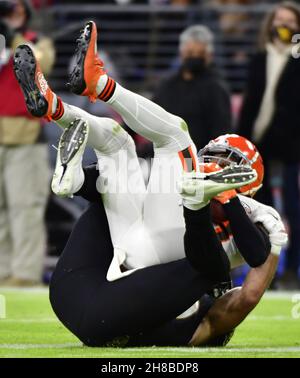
224,156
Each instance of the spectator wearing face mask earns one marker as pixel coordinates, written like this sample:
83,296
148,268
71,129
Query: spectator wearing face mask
270,117
196,92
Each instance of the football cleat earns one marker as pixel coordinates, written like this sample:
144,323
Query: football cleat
38,95
198,188
68,175
88,67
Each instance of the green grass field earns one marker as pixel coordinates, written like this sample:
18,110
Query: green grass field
30,329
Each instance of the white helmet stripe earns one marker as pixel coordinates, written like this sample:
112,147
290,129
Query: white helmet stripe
253,160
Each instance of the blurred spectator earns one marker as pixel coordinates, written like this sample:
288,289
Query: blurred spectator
196,92
270,117
236,26
24,170
38,4
183,3
232,22
104,2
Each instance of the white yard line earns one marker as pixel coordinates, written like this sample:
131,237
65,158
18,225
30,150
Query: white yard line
40,346
280,294
31,290
272,317
219,350
55,320
279,349
41,290
30,320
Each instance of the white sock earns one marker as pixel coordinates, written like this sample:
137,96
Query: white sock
101,84
105,136
54,103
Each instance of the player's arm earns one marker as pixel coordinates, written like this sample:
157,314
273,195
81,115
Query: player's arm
202,246
233,307
251,241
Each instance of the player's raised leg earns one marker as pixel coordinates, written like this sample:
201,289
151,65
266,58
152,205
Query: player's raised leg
115,149
121,183
105,134
146,118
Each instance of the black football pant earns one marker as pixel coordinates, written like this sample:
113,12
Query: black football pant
140,308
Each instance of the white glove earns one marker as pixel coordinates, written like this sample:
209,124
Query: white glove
272,222
191,190
198,188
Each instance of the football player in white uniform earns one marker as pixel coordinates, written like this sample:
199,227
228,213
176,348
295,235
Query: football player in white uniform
124,270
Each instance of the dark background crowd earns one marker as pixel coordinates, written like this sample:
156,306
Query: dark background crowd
222,65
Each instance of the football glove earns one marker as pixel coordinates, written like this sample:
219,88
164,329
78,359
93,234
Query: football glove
273,224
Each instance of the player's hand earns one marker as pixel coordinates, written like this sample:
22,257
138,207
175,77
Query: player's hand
272,222
191,190
198,188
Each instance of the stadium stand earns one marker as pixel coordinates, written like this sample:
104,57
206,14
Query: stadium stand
142,39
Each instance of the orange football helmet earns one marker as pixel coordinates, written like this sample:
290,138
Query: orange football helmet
234,149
